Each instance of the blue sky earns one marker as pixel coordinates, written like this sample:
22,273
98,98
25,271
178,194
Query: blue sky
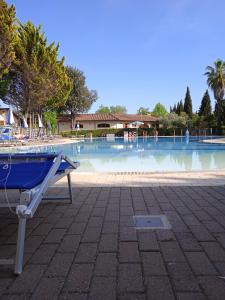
135,52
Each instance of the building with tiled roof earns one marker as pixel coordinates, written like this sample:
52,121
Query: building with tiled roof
97,121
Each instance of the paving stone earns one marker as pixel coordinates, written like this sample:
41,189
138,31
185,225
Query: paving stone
64,222
191,220
70,243
214,251
33,243
112,216
108,243
16,297
130,278
86,253
132,297
79,278
172,252
60,265
159,288
126,221
72,296
202,215
213,226
187,241
182,276
165,235
153,264
42,229
200,263
220,266
103,288
190,296
77,228
91,235
147,241
128,252
44,254
28,280
213,287
95,222
4,283
55,236
110,227
106,265
128,234
98,212
126,211
48,288
201,233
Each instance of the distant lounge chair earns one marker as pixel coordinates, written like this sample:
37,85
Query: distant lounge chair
32,174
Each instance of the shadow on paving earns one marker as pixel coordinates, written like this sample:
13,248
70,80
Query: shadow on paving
91,250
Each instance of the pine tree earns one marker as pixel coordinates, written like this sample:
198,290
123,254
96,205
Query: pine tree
39,79
205,108
7,37
188,103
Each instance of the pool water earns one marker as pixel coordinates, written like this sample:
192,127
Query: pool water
143,154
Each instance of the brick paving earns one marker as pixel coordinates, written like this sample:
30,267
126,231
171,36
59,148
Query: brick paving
90,250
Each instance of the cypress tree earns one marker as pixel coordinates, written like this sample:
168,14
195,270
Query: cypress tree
181,106
188,103
178,108
174,108
205,108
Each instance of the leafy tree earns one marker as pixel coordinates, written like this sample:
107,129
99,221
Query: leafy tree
118,109
143,111
103,110
80,98
205,108
50,117
7,37
188,103
159,110
172,120
216,81
39,79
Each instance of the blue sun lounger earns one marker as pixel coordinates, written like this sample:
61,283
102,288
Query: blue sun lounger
32,174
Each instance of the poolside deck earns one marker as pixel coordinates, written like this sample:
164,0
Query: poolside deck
90,249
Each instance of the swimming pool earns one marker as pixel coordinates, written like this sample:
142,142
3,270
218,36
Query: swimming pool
142,154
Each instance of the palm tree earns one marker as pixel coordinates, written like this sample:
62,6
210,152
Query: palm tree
216,81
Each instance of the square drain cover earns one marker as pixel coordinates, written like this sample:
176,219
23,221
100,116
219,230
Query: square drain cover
151,222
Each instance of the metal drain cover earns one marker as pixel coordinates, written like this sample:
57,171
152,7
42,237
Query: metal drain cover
151,222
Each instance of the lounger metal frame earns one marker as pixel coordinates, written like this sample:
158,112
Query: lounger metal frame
30,200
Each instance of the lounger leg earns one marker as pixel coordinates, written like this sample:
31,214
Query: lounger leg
70,188
20,246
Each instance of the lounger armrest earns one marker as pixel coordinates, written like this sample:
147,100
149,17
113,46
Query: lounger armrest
23,211
75,164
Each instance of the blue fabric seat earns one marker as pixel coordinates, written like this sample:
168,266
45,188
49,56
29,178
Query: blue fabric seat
32,174
19,171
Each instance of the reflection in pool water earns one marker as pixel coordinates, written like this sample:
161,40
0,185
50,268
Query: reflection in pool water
143,154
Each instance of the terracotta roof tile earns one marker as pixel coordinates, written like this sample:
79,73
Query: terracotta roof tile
110,117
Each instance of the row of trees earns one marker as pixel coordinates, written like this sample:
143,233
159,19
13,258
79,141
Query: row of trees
182,113
32,77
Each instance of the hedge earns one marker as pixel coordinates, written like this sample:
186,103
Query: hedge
120,132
